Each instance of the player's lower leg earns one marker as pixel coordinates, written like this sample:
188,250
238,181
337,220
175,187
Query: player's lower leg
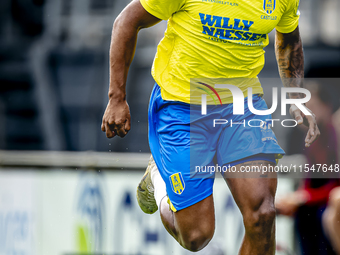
255,198
259,235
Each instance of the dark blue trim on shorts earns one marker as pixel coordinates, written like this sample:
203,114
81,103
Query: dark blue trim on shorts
260,156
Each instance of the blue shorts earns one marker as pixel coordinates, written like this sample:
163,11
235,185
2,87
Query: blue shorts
181,138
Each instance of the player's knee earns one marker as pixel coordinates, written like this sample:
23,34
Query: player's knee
260,221
196,240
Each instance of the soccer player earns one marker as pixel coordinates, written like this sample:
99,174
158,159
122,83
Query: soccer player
210,39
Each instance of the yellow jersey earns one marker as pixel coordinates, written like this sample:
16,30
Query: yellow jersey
215,39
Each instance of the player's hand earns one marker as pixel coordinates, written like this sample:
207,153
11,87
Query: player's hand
309,120
116,119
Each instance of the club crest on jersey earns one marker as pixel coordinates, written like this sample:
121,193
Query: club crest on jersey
269,6
177,183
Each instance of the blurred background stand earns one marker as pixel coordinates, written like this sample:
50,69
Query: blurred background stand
54,70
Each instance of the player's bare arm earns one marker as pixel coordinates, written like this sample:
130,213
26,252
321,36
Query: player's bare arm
290,59
289,55
117,119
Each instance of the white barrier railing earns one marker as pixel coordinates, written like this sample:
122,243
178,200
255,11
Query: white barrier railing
64,210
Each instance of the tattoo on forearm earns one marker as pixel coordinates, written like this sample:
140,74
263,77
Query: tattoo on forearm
290,59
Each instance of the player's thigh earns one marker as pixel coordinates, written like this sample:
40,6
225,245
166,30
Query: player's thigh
253,191
196,222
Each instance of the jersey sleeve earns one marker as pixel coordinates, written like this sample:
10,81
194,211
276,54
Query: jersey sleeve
290,18
162,9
